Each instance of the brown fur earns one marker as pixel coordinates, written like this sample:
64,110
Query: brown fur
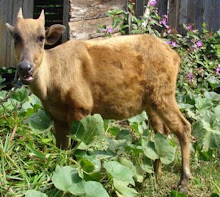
117,77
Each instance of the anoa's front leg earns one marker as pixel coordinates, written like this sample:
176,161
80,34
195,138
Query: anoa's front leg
61,131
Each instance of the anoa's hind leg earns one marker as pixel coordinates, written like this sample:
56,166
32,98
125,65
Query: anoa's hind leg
157,125
169,112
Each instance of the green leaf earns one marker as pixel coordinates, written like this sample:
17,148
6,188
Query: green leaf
146,165
93,176
40,121
217,111
118,171
214,82
174,193
35,152
88,129
149,149
20,95
114,145
215,195
34,193
138,118
67,179
203,103
95,189
206,136
165,151
90,163
123,189
136,170
86,165
213,96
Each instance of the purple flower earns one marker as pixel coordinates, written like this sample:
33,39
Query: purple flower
174,44
169,31
217,70
109,30
199,44
189,27
169,42
152,3
165,16
103,30
164,21
190,77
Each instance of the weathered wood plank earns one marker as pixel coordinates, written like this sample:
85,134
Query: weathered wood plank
162,7
208,13
182,15
139,8
10,58
216,16
66,17
174,11
199,12
28,8
191,11
3,33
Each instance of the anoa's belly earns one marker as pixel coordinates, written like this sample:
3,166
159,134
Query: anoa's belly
117,111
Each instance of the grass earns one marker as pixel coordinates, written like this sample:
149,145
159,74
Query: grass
205,179
23,167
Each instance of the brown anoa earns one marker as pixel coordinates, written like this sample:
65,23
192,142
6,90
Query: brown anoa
116,77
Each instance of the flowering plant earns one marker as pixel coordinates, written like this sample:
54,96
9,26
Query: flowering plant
199,79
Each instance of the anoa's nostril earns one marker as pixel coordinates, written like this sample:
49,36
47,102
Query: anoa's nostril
24,67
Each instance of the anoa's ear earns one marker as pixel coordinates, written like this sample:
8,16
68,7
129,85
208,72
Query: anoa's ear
11,29
53,33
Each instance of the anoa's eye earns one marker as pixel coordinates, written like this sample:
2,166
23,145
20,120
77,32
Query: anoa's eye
40,38
17,38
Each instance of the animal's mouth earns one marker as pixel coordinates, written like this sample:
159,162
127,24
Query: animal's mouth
26,78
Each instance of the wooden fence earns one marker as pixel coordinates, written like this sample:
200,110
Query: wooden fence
178,11
8,13
187,11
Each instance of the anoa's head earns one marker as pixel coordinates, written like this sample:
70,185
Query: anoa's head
29,39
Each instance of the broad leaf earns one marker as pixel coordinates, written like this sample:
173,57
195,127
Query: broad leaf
214,82
146,165
90,163
114,145
123,189
138,118
136,170
120,172
207,136
67,179
203,103
95,189
34,193
213,96
88,129
149,149
40,121
217,112
165,151
20,95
